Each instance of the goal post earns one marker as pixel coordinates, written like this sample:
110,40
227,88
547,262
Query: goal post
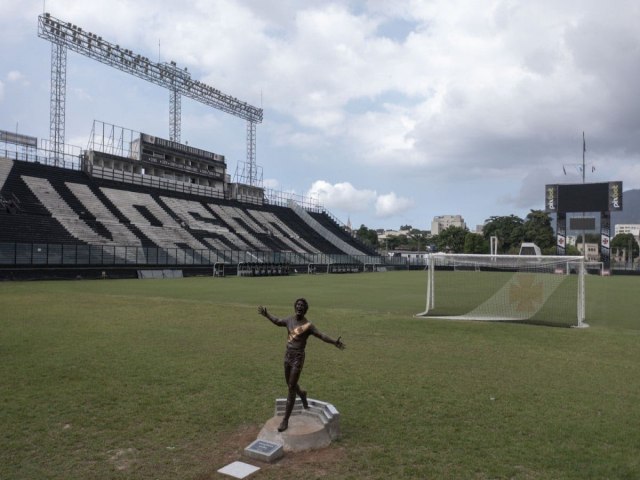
546,290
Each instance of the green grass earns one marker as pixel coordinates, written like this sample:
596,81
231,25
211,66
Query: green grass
169,379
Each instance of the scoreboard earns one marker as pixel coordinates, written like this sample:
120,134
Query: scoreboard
583,197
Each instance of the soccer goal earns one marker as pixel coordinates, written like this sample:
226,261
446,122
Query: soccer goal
545,290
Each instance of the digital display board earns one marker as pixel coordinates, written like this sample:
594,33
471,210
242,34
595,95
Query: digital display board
582,223
583,197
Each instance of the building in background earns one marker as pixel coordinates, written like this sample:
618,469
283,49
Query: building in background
593,251
632,228
442,222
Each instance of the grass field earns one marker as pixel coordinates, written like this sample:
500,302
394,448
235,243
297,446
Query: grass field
171,379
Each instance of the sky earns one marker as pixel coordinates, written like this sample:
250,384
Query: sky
389,113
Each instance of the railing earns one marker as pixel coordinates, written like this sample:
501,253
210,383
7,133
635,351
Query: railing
42,156
282,199
153,182
56,254
75,161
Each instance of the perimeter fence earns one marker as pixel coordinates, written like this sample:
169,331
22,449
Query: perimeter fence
56,254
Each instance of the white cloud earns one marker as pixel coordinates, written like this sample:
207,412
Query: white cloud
390,204
271,183
343,196
384,137
410,96
346,197
15,76
82,94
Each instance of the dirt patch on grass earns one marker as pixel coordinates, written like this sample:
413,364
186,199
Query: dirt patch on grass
123,458
310,464
307,465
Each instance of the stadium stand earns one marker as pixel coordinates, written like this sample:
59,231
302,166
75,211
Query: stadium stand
324,231
58,216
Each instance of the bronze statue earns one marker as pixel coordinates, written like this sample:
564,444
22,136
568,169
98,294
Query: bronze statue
299,329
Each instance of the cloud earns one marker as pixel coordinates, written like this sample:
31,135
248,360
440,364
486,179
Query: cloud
472,91
403,96
15,76
346,197
531,192
343,196
271,183
390,204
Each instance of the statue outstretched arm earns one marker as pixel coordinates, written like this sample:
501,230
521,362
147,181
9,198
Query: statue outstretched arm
273,319
325,338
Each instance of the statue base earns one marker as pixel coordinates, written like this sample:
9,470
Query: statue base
309,429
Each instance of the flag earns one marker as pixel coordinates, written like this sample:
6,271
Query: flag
593,168
584,143
564,170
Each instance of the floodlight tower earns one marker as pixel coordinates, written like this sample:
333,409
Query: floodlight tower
64,35
58,100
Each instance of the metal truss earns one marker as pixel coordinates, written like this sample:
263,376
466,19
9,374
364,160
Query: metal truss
57,100
175,114
252,178
178,81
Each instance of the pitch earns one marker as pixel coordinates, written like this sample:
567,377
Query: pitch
172,378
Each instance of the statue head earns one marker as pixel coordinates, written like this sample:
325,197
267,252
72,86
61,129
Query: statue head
303,304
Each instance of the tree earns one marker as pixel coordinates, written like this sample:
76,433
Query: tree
451,239
417,240
400,242
367,235
509,231
537,229
590,237
404,228
475,243
569,250
626,241
434,241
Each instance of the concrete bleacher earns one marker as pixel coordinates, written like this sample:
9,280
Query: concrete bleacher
315,241
5,167
237,222
279,229
331,225
325,232
61,206
120,234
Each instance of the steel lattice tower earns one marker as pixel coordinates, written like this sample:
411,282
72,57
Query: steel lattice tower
175,113
64,35
58,100
252,177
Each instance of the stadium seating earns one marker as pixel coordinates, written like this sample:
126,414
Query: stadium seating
52,205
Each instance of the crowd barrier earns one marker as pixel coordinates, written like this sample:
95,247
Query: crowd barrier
54,254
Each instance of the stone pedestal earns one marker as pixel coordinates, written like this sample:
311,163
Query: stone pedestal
309,429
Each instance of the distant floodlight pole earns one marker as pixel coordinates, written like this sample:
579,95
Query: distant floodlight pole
175,101
57,100
175,111
251,153
178,81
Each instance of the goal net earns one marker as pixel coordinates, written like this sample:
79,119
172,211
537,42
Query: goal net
546,290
